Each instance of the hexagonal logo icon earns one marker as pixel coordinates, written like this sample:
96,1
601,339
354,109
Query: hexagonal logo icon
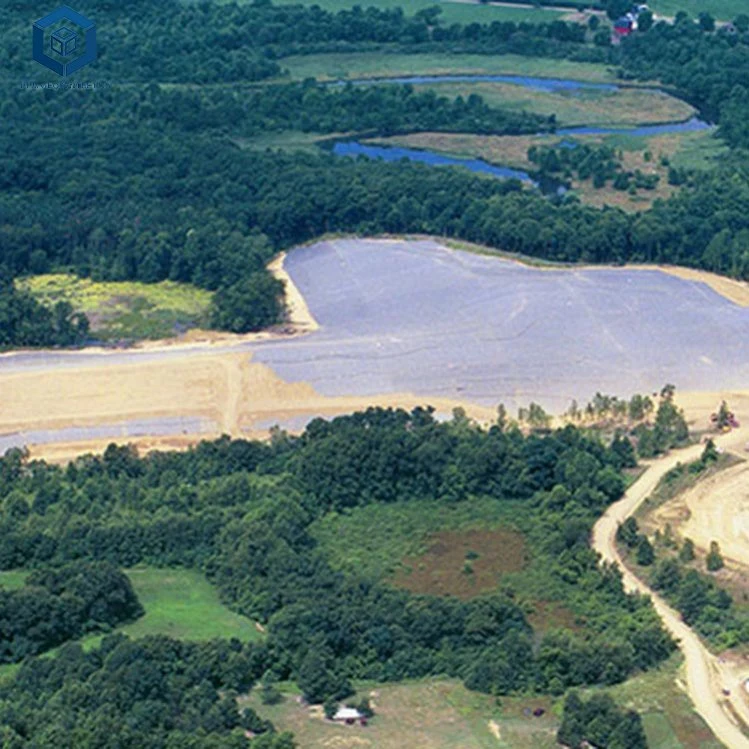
64,41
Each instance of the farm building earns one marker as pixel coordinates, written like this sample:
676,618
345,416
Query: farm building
349,716
624,26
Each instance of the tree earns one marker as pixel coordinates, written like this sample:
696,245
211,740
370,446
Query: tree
269,692
686,553
710,454
741,22
667,576
714,560
330,707
628,733
724,416
249,304
645,20
644,554
628,533
617,8
706,21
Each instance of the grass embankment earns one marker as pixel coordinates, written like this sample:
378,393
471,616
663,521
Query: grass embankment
443,714
379,65
125,310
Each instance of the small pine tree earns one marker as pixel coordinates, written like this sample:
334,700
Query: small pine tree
686,553
269,694
709,454
645,555
714,560
627,533
330,707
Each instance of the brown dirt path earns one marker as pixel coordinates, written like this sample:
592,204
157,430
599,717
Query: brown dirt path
706,675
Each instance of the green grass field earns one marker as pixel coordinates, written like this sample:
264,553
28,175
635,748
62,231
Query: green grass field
442,714
628,106
183,604
178,603
452,12
125,309
378,65
724,10
430,714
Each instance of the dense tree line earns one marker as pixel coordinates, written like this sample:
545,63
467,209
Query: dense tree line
242,511
708,69
61,604
597,721
380,110
26,322
155,693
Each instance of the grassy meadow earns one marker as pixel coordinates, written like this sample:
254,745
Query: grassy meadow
379,65
466,550
125,309
179,603
443,714
696,150
182,604
623,108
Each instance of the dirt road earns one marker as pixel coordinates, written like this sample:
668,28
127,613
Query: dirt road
707,676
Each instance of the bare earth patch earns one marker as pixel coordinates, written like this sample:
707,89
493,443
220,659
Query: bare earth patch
463,563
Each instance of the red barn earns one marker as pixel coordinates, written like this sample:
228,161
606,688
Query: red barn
624,26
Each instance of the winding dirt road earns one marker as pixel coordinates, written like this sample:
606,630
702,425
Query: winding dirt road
707,676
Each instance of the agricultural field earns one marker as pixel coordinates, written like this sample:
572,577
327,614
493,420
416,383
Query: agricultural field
378,65
382,541
443,714
125,310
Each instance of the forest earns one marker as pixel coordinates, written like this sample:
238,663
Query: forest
241,512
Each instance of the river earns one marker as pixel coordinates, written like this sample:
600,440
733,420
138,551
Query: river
550,85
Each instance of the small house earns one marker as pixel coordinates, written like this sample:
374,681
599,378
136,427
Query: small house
348,715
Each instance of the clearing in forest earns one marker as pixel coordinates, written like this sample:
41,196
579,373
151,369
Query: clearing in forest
463,563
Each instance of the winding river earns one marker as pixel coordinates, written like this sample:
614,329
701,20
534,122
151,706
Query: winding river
548,85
